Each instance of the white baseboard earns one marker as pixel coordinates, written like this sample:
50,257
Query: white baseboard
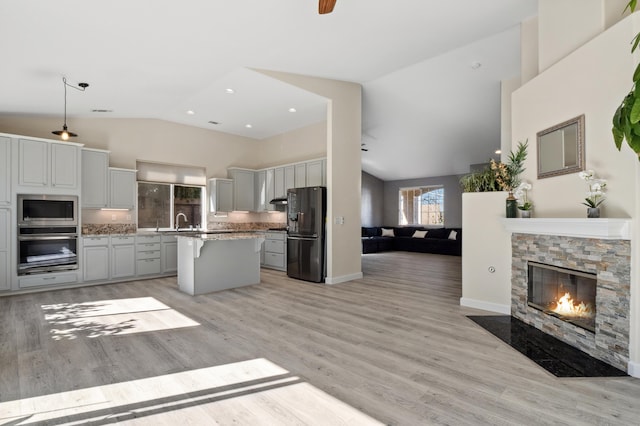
343,278
485,306
633,369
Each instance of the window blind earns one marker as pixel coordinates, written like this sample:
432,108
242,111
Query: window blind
171,173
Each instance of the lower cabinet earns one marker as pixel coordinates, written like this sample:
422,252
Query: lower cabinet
123,256
148,255
275,251
95,263
169,253
5,219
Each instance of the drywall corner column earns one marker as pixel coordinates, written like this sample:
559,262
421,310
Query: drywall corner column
528,49
634,325
486,253
507,87
344,171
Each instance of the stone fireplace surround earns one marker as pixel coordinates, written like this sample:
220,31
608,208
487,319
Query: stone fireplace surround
599,246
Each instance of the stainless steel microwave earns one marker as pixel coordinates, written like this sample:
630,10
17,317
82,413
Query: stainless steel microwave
47,210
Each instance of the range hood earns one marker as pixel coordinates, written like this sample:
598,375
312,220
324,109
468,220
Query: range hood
278,201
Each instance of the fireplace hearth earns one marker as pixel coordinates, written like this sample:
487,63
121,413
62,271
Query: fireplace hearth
563,293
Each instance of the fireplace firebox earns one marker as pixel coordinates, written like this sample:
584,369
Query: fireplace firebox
563,293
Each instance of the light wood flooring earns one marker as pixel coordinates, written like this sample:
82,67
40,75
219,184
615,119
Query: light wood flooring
394,347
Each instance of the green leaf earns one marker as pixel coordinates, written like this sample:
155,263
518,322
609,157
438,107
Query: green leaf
618,137
631,6
636,73
617,117
634,143
634,116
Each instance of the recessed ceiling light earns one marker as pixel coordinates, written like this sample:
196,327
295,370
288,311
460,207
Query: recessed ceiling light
292,110
475,65
191,112
101,110
498,151
230,91
248,126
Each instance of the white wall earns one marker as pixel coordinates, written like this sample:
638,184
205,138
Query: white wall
297,145
485,245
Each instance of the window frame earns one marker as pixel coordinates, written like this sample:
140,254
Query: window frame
421,188
203,204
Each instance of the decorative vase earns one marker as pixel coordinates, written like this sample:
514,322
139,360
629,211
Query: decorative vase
593,212
512,206
525,214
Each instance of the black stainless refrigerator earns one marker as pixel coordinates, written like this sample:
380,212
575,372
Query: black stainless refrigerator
306,212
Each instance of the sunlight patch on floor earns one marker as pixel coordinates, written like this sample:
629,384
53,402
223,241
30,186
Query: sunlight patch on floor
256,391
112,317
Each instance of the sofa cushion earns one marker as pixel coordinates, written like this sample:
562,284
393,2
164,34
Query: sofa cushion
453,235
388,232
419,234
371,231
441,233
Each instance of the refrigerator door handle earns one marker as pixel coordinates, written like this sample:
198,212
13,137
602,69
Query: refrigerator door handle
303,238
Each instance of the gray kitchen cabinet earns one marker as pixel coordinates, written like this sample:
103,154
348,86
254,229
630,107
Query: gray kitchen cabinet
270,188
5,220
289,178
48,164
279,189
95,175
243,189
5,171
169,253
220,195
122,188
148,255
123,256
95,259
315,173
275,246
300,177
264,189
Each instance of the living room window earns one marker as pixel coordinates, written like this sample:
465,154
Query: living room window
166,190
421,206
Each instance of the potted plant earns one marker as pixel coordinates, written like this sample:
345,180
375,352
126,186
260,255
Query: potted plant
524,205
508,175
595,194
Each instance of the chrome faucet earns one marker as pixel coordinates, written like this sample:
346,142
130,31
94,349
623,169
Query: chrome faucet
178,220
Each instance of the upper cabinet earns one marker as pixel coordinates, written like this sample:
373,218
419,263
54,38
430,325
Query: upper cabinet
122,188
300,177
220,195
243,189
95,183
46,165
5,171
315,173
264,189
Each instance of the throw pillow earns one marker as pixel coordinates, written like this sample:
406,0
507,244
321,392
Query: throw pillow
420,234
387,232
453,235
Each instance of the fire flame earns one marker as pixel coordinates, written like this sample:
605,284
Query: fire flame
566,306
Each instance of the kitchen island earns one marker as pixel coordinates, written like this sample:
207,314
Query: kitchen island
219,261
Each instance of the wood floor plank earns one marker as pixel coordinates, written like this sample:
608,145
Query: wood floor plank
394,347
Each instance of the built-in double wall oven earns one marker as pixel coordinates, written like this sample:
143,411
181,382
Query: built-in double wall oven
47,233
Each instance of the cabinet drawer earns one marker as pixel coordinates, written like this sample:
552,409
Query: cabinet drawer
276,236
274,246
169,239
153,254
147,246
148,266
95,241
121,240
43,280
147,239
274,260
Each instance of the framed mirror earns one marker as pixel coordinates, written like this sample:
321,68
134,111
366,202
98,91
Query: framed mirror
561,148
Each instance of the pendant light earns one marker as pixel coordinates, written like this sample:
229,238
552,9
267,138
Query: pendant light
65,134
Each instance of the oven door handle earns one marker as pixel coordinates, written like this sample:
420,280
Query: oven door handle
49,237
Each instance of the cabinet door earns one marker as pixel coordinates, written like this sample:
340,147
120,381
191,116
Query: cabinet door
96,263
169,257
279,190
270,189
289,178
243,190
4,249
5,171
300,175
64,166
33,167
122,189
123,261
261,190
314,173
224,196
95,172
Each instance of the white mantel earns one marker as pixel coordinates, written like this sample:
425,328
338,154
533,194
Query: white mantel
607,229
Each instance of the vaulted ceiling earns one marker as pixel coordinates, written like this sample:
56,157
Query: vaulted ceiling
430,69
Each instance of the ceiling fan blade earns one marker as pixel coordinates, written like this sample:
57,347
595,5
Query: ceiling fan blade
326,6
